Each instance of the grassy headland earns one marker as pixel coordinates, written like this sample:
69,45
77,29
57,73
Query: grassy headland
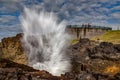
110,36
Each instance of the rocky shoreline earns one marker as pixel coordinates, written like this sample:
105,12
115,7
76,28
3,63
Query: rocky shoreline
90,60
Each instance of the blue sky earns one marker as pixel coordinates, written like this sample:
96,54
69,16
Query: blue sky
98,12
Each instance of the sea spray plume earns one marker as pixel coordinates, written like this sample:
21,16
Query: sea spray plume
46,41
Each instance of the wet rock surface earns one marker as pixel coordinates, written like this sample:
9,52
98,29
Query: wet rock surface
90,61
13,71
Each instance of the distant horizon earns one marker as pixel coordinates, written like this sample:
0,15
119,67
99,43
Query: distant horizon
20,30
74,12
1,37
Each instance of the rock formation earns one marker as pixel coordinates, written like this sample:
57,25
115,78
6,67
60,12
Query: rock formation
90,61
13,71
11,49
101,59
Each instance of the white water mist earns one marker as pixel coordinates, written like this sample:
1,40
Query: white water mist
46,41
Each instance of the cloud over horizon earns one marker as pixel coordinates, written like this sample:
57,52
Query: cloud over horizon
98,12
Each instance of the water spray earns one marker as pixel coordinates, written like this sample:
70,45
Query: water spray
46,41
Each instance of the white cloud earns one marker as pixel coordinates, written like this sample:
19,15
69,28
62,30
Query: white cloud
74,11
7,18
116,15
116,8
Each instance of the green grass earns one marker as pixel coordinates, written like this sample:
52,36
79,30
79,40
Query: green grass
110,36
74,41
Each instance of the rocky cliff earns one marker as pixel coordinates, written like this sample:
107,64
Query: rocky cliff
81,32
90,60
11,49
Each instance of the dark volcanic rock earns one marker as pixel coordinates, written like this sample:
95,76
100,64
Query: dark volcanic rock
13,71
90,61
106,51
88,49
117,76
90,56
79,52
117,47
18,74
